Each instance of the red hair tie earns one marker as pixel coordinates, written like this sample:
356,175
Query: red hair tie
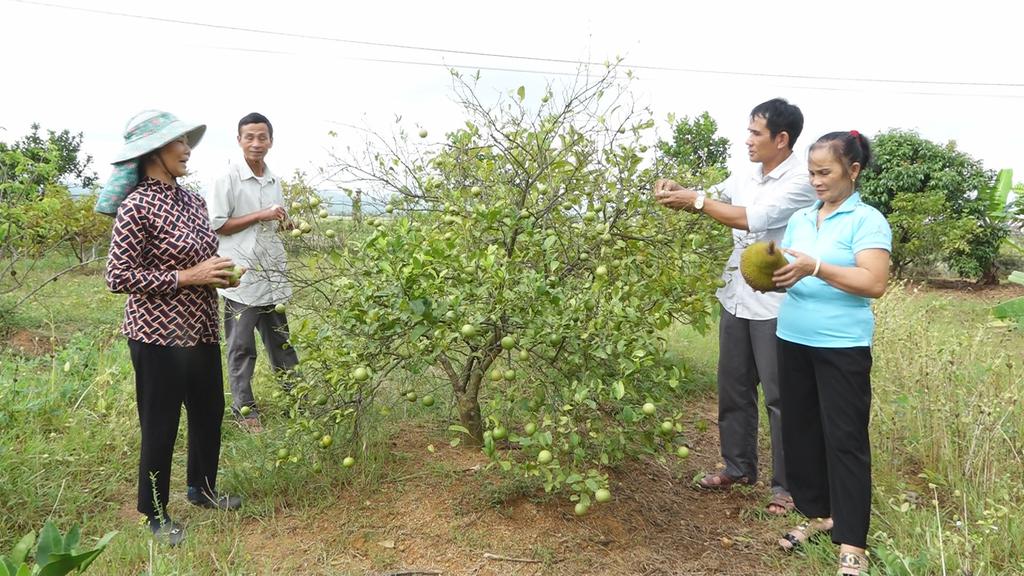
854,133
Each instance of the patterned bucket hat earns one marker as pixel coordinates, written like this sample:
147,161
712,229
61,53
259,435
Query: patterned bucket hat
146,131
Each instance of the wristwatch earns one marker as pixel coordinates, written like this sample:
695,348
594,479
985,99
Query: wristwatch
698,202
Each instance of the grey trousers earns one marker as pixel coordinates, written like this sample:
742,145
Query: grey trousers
748,355
240,321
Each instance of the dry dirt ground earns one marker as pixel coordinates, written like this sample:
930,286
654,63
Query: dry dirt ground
446,514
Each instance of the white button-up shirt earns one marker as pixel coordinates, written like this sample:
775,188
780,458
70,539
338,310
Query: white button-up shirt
258,248
770,200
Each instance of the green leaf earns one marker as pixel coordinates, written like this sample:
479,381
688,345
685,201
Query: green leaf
521,92
50,542
419,306
100,546
1016,277
457,428
1011,309
419,331
995,197
21,549
7,568
63,563
619,389
72,538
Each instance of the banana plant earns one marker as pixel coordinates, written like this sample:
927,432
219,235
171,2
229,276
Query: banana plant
1012,309
996,196
55,554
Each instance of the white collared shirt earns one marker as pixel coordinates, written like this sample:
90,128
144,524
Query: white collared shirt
770,200
258,248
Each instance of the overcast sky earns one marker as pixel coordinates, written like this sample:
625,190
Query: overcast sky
949,71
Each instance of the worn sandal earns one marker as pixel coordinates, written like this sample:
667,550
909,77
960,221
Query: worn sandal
721,481
852,564
813,528
780,505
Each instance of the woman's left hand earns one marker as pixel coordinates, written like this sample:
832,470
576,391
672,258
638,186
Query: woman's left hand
796,270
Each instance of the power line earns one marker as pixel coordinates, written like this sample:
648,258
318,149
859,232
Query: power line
450,66
296,35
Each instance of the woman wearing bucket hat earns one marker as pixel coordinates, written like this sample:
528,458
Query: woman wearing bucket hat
164,255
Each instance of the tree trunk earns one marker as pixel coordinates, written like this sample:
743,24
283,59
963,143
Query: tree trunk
469,417
990,277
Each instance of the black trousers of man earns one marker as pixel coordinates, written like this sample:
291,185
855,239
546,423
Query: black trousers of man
167,377
826,402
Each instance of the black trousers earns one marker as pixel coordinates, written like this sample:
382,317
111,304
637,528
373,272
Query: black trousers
165,378
826,401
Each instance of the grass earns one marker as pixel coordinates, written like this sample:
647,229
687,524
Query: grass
947,432
947,426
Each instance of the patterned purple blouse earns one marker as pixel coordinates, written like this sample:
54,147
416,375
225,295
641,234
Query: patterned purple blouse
159,230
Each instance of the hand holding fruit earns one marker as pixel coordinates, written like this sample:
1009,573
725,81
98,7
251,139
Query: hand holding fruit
215,271
796,270
235,276
275,212
671,195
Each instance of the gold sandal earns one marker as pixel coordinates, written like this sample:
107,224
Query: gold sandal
812,528
852,564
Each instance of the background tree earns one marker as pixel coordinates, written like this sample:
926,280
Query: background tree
39,162
38,213
930,194
695,148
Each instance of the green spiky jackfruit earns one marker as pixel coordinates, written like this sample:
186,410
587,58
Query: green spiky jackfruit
758,262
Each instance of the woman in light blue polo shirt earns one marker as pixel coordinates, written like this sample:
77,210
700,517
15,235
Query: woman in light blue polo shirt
839,250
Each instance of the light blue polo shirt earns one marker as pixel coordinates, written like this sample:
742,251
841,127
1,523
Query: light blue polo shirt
814,313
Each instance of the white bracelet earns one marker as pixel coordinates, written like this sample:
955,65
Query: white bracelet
817,266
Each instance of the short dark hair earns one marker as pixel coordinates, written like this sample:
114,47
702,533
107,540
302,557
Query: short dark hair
255,118
780,116
849,146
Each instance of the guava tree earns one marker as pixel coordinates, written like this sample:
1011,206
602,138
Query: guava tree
524,272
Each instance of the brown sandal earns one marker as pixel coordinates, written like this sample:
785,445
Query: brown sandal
852,564
782,504
721,481
815,527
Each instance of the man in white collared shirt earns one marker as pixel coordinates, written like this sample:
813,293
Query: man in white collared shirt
247,213
757,207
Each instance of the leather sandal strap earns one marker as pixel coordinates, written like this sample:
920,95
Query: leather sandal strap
852,564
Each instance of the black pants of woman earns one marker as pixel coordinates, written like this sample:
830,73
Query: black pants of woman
167,377
826,401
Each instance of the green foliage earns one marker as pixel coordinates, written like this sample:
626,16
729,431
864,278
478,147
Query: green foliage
532,224
946,418
949,412
696,148
55,554
58,154
84,229
940,203
37,212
